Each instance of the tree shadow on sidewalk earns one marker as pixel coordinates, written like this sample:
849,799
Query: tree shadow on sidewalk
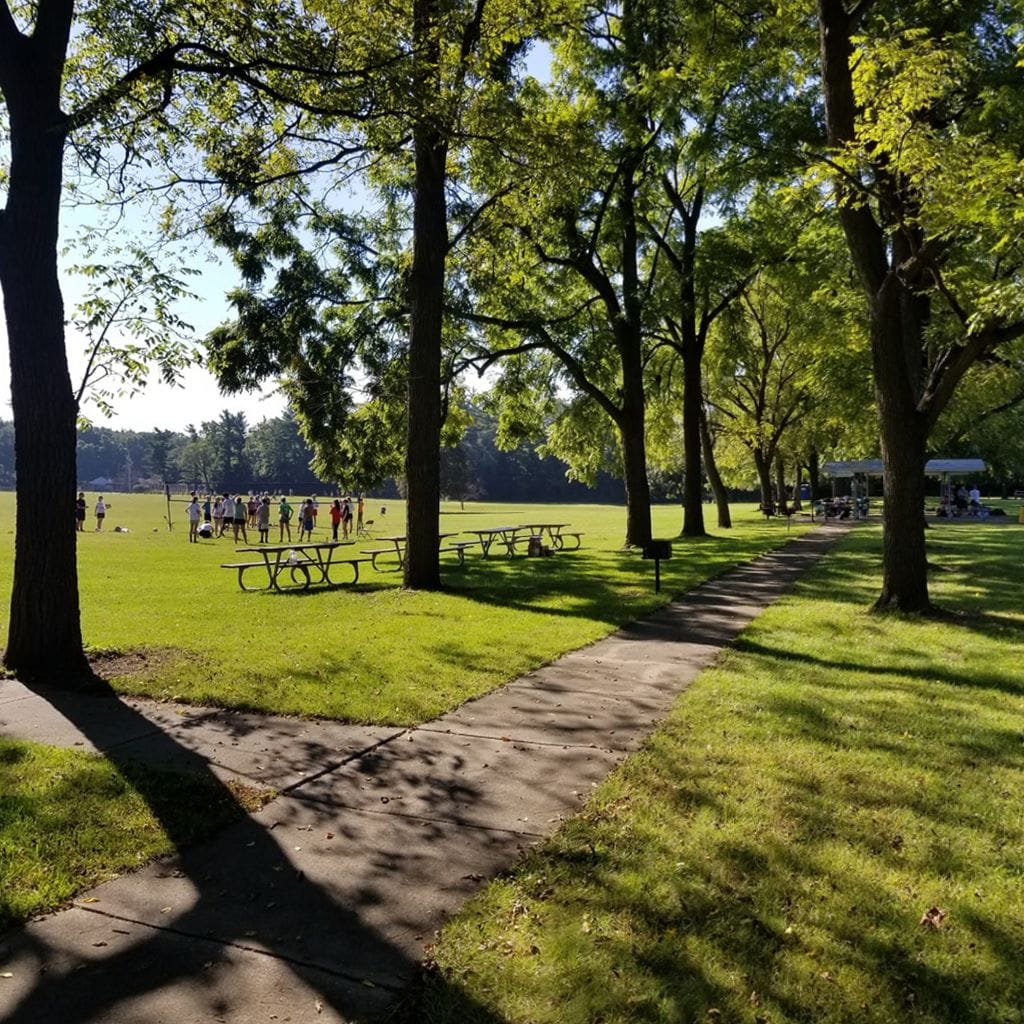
245,919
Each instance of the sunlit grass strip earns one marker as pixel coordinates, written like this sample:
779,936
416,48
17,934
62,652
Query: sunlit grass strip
69,820
373,653
772,852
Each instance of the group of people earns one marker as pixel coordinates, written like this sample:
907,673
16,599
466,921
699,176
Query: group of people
960,501
99,510
213,516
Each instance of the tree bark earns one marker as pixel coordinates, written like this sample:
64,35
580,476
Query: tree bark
814,474
896,328
714,477
692,351
632,431
764,477
780,483
45,637
426,314
904,435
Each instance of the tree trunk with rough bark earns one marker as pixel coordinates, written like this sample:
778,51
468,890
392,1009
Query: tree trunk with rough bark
896,327
632,431
45,636
814,474
426,314
904,435
714,477
693,404
764,477
780,483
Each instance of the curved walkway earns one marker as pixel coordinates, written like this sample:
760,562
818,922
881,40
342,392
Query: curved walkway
318,908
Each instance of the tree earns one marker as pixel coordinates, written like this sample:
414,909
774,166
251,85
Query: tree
114,74
923,116
434,66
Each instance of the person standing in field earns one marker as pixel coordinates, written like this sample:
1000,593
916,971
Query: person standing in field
360,506
194,513
238,522
218,516
263,519
307,521
80,512
101,512
284,519
335,518
207,506
346,516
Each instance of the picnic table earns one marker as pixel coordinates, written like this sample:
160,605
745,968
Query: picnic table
555,534
399,542
504,534
296,566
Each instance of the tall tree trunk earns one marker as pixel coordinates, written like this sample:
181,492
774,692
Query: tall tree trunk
693,404
45,636
780,483
764,476
797,503
814,474
714,477
632,432
904,434
896,326
426,311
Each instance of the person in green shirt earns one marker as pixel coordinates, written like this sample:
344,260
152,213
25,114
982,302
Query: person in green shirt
284,519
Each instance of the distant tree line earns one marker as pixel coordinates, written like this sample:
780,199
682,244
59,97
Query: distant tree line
227,454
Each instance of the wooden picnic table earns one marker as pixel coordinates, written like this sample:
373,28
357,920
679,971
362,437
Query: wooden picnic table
296,566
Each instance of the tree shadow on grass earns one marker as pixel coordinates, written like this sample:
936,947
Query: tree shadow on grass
242,913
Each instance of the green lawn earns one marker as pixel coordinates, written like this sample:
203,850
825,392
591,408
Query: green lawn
771,853
370,653
69,820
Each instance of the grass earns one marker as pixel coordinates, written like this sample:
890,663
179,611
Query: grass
771,853
371,653
69,820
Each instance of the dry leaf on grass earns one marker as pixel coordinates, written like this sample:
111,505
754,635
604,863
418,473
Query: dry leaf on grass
933,918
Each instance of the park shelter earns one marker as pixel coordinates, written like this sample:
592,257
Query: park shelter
859,470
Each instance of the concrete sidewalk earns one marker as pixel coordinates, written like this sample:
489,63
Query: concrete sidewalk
318,908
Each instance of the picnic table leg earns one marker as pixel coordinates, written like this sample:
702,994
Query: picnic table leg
299,575
253,590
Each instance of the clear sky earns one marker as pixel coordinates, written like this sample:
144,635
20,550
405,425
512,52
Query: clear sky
160,405
199,398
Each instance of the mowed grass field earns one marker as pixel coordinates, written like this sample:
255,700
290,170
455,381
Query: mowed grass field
827,829
174,625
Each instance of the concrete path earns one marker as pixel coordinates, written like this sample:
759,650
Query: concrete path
318,908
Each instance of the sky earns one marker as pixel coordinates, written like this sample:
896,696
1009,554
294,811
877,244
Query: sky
198,397
160,405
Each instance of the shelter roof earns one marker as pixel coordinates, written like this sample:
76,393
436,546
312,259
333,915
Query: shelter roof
933,467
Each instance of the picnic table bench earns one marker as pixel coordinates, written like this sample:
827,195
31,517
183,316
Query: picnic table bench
295,566
460,547
398,549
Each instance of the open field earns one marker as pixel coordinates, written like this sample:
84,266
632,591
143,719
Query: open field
370,653
827,829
